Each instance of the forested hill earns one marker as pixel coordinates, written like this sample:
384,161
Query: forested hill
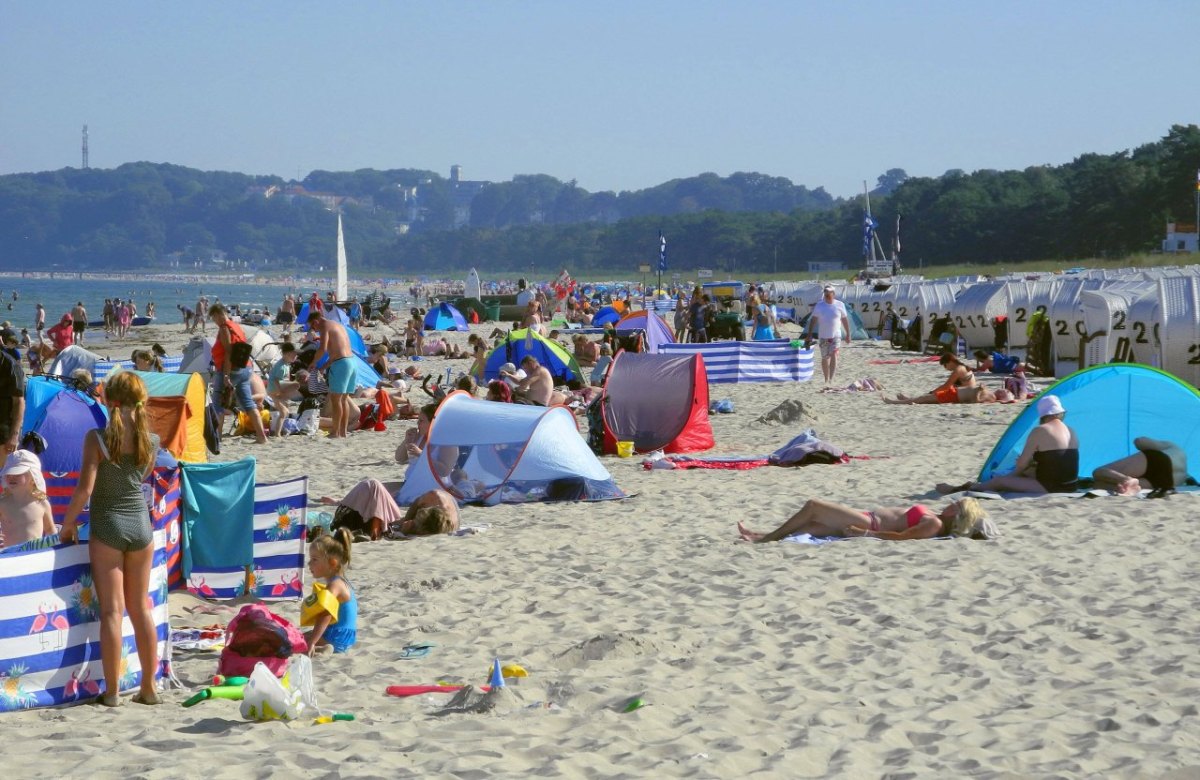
150,216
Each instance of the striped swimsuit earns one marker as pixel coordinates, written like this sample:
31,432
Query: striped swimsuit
119,517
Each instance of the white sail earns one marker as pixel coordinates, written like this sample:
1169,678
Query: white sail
340,291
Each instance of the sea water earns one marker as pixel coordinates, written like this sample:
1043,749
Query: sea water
60,294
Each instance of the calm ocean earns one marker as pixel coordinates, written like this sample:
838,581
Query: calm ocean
59,295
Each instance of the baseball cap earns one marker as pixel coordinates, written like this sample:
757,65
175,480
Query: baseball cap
21,461
1048,405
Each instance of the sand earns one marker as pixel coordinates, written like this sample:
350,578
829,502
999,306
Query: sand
1066,648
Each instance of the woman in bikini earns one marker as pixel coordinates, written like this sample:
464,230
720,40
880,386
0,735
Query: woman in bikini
959,387
964,517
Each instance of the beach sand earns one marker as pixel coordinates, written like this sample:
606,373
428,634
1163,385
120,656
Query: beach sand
1066,648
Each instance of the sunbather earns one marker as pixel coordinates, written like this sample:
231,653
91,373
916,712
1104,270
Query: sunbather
434,512
1158,464
964,517
976,394
1048,464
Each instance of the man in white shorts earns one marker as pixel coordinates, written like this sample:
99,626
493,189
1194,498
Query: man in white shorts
832,325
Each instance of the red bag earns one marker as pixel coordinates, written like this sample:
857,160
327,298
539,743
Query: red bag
258,635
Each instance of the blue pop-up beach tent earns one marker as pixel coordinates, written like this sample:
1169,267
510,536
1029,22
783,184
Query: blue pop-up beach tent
445,317
1108,406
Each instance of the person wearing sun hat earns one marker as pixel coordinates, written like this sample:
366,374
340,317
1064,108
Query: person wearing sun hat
1048,464
24,511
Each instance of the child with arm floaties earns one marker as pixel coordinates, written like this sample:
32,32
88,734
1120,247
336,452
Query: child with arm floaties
332,607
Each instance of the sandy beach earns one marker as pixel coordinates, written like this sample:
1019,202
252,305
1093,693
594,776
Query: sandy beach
1066,648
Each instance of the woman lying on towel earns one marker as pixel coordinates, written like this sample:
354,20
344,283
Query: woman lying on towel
964,517
977,394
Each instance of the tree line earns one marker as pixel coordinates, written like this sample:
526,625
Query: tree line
136,215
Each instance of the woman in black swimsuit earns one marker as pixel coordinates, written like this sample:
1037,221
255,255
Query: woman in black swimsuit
1048,464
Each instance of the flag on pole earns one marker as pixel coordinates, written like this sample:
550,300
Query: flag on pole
869,226
662,252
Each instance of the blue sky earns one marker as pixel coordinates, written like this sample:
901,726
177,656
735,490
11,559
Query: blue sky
616,95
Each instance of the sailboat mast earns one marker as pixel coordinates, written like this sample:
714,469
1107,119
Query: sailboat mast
340,292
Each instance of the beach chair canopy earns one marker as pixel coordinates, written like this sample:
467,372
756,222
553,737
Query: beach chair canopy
1108,407
445,317
658,402
489,452
550,354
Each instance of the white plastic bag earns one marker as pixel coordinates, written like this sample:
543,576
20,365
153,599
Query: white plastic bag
267,698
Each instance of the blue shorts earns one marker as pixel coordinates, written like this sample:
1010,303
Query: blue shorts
341,375
243,395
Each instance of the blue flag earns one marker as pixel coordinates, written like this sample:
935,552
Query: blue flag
662,252
869,226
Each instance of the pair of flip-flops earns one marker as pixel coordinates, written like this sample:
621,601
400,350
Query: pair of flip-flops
418,650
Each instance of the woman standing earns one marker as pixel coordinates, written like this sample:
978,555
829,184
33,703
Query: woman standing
121,545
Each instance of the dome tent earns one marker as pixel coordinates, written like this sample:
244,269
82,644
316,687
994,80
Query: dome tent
506,453
653,325
445,317
550,354
1108,406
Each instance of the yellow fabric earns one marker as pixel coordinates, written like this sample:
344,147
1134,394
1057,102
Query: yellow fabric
320,600
244,424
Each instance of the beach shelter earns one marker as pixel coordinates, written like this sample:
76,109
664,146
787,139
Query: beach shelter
445,317
658,402
176,412
506,453
550,354
74,357
654,326
1108,406
605,315
331,312
62,416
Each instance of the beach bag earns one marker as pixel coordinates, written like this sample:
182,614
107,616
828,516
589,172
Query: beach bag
212,428
239,354
256,635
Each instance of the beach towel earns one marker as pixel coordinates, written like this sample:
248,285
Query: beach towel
807,449
218,514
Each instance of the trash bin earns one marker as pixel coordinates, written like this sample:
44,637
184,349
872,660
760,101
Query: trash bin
493,310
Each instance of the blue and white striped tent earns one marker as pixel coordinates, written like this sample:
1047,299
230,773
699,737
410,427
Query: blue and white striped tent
750,361
50,627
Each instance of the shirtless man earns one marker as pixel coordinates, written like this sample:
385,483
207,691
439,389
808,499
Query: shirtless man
200,319
78,322
340,370
537,386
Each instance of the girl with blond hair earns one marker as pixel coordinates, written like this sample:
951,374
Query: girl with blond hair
115,463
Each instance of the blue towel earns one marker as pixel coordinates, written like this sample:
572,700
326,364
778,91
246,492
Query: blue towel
218,514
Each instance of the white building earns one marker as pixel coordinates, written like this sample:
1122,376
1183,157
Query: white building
1181,237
